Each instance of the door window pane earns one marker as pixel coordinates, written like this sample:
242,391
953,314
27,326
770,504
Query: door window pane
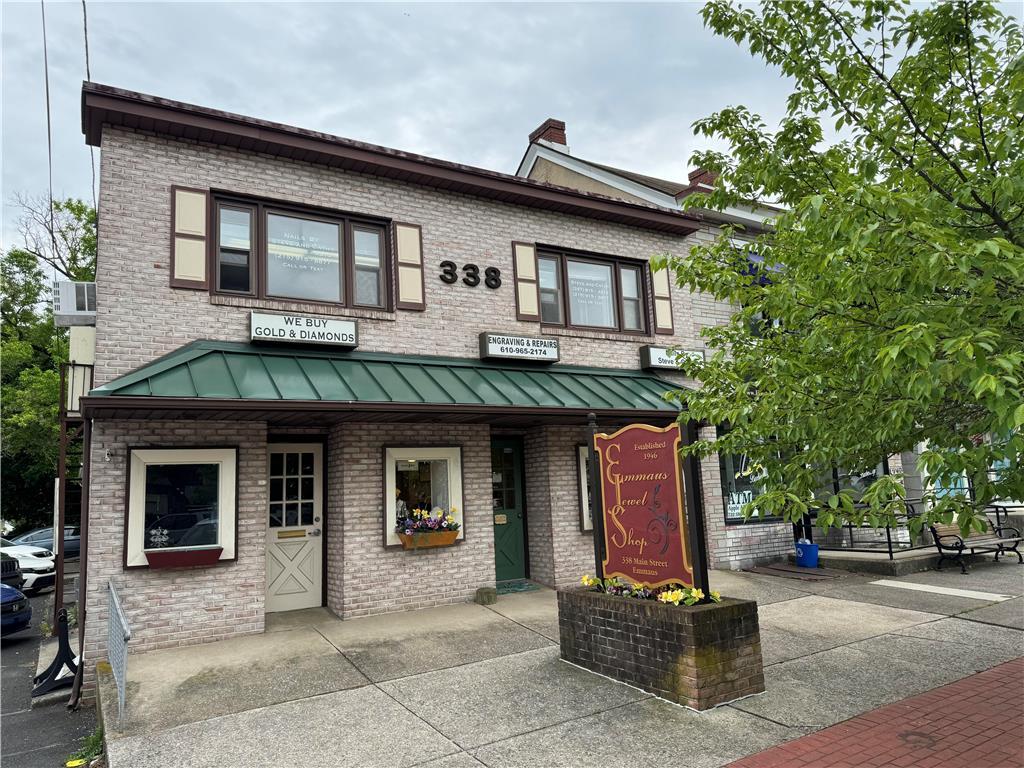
591,294
303,259
181,505
234,254
307,513
291,516
276,489
276,515
367,260
550,293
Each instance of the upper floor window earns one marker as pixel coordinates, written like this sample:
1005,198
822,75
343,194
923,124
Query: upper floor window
268,251
591,292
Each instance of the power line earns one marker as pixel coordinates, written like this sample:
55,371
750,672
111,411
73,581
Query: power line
49,131
88,76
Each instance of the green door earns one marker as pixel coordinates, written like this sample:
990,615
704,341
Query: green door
507,483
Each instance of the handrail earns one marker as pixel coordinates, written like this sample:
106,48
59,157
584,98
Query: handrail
118,634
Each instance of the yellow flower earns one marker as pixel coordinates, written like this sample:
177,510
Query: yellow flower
697,593
454,509
716,596
589,581
674,596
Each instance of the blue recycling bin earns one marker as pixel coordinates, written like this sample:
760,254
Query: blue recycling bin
807,555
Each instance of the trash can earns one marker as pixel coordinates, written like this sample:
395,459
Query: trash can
807,555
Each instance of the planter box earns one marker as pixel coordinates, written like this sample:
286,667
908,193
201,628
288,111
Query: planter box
172,557
699,656
428,539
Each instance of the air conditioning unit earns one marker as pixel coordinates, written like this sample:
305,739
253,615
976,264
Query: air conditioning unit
74,303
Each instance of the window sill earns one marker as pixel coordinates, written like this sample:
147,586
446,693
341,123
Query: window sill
182,557
634,338
284,305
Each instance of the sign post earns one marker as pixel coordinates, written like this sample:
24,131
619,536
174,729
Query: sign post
695,513
596,515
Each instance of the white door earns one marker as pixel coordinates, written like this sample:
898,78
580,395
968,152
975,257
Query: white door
294,526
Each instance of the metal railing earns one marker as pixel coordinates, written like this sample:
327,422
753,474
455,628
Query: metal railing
118,635
75,382
890,540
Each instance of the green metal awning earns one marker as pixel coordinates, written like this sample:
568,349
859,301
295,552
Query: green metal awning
227,376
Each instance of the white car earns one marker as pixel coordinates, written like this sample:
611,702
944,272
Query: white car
37,567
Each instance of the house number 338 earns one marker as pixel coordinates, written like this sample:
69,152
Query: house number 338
470,275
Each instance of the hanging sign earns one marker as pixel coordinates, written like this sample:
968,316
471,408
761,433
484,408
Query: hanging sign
644,519
503,346
300,329
659,357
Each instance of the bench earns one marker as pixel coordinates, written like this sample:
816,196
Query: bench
948,539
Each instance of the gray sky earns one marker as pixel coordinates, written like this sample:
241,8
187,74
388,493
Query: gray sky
461,82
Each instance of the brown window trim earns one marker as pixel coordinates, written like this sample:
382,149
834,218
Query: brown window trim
261,208
564,256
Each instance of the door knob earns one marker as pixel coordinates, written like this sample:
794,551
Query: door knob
315,532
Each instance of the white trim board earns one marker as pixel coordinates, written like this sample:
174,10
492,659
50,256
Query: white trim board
971,594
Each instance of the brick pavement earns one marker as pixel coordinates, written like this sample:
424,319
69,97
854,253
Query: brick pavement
977,721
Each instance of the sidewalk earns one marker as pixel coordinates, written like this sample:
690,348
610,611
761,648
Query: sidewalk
977,721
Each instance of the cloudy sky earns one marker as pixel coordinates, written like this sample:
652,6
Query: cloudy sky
460,82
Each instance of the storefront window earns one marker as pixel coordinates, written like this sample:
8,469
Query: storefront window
739,486
303,258
180,498
427,478
181,505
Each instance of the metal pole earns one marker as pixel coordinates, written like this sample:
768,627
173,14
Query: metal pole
58,532
83,558
695,514
596,505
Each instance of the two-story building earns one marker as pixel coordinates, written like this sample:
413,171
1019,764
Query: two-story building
301,338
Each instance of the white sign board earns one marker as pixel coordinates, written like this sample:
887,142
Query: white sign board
300,329
659,357
502,346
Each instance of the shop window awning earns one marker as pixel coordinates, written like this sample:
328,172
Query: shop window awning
237,380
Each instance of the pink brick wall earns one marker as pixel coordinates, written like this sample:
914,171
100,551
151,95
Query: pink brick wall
135,301
175,607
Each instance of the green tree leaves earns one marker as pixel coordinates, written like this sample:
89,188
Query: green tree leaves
895,265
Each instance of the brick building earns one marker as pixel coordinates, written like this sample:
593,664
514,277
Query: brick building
301,338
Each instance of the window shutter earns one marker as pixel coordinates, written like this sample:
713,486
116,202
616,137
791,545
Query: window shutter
409,271
189,228
662,303
524,269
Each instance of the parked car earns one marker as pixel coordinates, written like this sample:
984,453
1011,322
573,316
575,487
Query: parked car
37,566
43,537
11,571
15,611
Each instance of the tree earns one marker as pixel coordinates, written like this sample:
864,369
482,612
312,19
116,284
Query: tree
885,308
32,351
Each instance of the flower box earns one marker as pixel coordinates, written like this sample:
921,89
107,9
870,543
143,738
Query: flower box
427,539
699,656
182,557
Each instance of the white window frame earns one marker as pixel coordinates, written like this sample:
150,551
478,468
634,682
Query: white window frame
453,454
227,501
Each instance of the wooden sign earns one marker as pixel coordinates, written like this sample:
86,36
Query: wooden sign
644,519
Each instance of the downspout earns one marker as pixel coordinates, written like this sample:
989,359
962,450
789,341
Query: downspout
83,561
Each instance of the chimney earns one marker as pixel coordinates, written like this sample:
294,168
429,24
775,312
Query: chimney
550,130
700,176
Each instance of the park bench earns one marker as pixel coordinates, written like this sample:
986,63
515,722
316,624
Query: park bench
952,544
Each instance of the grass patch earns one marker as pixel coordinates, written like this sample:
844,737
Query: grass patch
91,748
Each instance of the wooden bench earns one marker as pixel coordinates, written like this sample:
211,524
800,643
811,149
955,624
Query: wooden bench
948,539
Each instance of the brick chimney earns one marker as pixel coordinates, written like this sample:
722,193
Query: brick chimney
550,130
702,176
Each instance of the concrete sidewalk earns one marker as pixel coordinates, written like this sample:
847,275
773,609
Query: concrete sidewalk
467,685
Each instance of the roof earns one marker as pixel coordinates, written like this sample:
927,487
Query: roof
104,105
662,185
232,376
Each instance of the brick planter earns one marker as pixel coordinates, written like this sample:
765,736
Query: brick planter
699,656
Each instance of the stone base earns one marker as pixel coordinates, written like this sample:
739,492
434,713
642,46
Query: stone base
699,656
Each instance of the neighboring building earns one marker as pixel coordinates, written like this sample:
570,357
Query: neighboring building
299,336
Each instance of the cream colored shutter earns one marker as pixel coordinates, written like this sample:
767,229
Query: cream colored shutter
524,269
189,224
409,271
662,303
